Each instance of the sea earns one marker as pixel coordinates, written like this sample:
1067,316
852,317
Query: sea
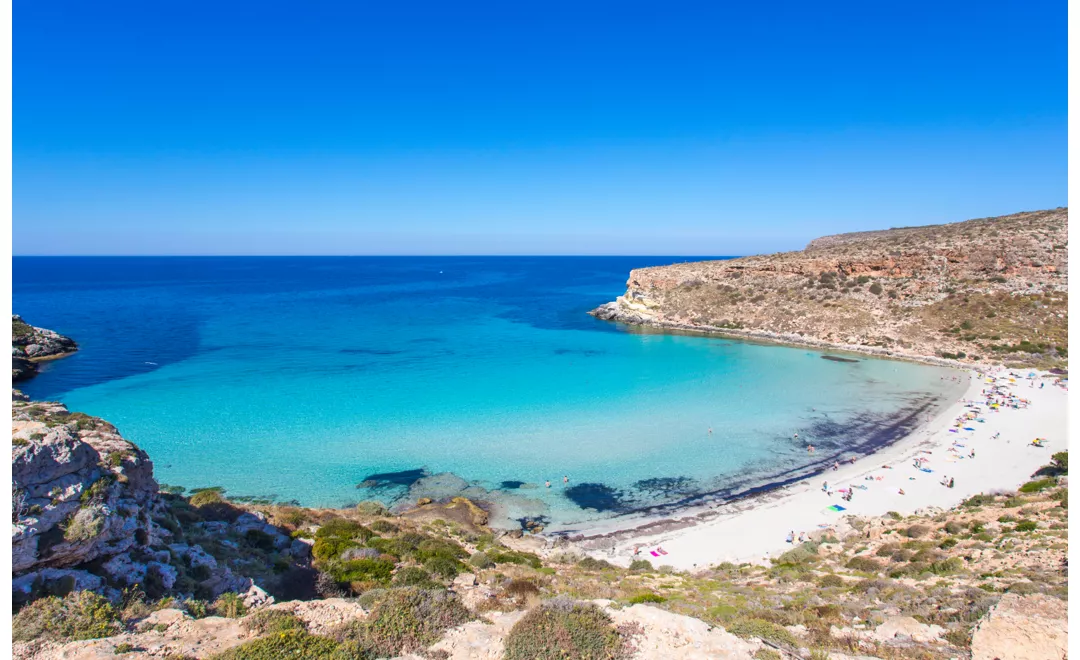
327,381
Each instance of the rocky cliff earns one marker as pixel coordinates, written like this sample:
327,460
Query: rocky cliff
87,514
990,290
30,345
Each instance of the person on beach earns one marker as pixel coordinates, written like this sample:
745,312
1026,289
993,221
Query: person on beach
901,491
802,537
972,454
836,466
825,486
791,536
951,482
809,449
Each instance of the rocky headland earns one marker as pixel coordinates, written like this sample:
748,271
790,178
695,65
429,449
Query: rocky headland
30,345
991,290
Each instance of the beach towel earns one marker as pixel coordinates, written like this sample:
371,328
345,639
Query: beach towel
661,551
953,431
926,469
861,487
968,428
654,553
835,507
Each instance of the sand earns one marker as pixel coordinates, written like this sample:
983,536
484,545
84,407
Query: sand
755,530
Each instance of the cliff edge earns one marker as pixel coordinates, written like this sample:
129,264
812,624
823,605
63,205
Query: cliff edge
990,290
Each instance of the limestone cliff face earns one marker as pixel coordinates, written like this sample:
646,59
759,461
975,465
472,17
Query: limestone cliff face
30,345
993,289
87,514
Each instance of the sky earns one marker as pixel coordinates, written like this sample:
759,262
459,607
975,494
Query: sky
723,128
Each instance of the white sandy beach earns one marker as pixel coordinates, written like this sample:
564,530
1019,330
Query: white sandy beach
755,530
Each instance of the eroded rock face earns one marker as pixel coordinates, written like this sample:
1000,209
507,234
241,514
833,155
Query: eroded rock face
1034,627
81,491
29,344
936,291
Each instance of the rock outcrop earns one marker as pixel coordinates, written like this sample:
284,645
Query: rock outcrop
989,289
1034,627
87,514
30,345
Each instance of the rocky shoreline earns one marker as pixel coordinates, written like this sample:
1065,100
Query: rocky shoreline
618,312
30,345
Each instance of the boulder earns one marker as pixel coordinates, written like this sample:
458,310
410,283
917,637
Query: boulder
1034,627
906,627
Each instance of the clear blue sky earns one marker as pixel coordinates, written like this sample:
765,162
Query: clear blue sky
192,127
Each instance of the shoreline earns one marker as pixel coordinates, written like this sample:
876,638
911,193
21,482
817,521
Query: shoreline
638,323
753,528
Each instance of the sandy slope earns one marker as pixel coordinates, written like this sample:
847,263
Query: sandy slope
754,530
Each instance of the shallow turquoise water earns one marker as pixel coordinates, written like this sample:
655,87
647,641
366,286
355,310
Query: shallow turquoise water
297,379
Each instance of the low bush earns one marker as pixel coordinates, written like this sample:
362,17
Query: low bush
328,548
982,499
918,531
640,565
361,570
1026,526
344,529
403,620
864,564
561,629
444,567
515,557
521,588
591,564
1037,486
267,622
947,543
953,527
204,497
766,630
371,508
647,598
412,576
384,527
804,554
229,605
297,644
480,560
79,615
831,580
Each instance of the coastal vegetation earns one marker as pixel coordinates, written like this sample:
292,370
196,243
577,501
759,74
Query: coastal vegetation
410,581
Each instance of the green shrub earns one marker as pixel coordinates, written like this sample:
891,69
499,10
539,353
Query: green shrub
344,529
412,576
590,564
982,499
404,620
766,630
361,570
444,567
1026,526
85,524
946,567
1061,461
267,622
229,605
79,615
917,531
647,598
328,548
198,609
296,644
515,557
831,580
124,647
480,560
640,565
947,543
864,564
876,289
207,496
521,588
561,629
1037,486
383,527
803,554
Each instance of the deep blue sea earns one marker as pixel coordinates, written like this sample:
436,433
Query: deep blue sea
331,380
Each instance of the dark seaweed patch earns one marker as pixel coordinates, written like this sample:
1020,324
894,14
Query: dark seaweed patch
836,358
511,485
597,496
404,478
529,522
666,486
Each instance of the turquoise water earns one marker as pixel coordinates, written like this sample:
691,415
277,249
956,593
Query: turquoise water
298,379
